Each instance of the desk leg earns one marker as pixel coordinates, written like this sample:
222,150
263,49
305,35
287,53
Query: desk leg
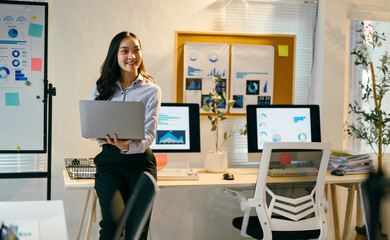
83,215
359,214
92,216
326,193
335,211
348,212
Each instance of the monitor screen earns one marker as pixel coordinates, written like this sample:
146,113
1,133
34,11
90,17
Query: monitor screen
282,123
178,128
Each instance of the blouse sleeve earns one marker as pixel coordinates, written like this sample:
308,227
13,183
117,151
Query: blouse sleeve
152,110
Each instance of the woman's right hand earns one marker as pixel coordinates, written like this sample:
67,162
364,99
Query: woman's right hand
119,143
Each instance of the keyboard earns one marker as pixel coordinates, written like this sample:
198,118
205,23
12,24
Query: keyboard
177,174
292,172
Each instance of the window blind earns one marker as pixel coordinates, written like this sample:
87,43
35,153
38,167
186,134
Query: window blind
15,163
271,17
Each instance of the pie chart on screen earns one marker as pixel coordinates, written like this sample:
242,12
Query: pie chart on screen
12,33
4,72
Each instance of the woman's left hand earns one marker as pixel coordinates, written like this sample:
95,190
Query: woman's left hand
121,144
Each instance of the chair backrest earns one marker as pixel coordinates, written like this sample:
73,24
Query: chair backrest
138,207
285,212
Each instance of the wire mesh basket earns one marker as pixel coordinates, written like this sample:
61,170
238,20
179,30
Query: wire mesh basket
80,168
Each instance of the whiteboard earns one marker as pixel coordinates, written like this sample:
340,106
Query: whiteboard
23,69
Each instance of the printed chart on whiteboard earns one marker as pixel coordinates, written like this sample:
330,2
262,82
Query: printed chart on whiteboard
22,71
202,61
252,78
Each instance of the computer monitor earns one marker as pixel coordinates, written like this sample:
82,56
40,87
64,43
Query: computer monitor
281,123
178,132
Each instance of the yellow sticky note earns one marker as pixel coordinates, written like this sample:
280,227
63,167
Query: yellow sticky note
283,50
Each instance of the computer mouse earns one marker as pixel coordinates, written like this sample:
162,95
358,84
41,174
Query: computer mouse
228,176
337,172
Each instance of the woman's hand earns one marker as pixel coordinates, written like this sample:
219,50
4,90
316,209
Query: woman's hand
121,144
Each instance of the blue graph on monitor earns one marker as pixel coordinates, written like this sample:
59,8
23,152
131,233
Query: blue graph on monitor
297,119
170,137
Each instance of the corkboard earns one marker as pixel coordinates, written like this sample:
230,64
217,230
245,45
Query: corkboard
284,66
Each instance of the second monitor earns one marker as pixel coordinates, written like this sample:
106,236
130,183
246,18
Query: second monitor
281,123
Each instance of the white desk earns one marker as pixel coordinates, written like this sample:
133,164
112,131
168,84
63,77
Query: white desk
49,214
244,177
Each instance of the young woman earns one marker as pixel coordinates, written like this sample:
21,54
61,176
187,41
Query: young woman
123,78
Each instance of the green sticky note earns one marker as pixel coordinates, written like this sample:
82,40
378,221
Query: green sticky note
35,30
11,99
283,50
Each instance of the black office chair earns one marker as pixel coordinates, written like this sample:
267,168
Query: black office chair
371,193
138,207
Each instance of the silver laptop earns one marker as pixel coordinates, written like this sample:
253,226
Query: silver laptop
102,118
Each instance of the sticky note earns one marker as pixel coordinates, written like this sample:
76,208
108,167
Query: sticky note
283,50
36,64
161,159
35,30
11,99
285,158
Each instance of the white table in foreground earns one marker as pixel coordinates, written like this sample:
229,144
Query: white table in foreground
49,214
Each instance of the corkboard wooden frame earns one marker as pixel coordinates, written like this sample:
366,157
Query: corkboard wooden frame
284,67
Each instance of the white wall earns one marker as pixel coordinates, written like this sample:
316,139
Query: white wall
329,69
79,35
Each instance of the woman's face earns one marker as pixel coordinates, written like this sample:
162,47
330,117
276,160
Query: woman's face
129,56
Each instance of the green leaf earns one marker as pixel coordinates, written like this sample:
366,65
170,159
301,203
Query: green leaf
213,128
205,108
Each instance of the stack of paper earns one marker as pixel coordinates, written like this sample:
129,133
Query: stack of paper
351,164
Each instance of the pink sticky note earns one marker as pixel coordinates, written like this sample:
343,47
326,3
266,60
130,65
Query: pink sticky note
285,158
36,64
161,159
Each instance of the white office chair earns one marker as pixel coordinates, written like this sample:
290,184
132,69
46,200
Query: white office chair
285,217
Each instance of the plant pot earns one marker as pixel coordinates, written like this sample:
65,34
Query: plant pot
216,162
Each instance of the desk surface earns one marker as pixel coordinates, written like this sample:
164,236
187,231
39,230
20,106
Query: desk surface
243,177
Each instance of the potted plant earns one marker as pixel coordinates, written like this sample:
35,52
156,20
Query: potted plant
373,123
216,160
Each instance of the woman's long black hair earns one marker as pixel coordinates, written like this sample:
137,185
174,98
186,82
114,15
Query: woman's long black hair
110,72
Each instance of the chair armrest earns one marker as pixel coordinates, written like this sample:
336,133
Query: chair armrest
239,195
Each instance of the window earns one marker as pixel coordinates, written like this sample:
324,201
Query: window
276,17
356,74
